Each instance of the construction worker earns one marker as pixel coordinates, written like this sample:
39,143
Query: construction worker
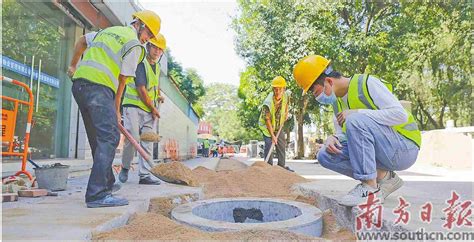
214,150
206,146
375,135
98,83
274,113
140,109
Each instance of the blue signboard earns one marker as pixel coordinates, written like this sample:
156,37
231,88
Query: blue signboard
24,70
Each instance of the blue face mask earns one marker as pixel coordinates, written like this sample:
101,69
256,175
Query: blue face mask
325,99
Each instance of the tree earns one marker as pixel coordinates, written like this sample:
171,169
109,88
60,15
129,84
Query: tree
188,80
220,105
271,37
422,48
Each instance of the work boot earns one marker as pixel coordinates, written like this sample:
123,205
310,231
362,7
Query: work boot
123,175
359,194
108,201
390,183
148,181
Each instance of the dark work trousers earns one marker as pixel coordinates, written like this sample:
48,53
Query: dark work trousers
205,152
280,149
97,106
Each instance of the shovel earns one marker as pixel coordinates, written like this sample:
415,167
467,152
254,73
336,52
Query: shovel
146,157
272,146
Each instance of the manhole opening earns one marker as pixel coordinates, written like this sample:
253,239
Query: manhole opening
247,211
250,215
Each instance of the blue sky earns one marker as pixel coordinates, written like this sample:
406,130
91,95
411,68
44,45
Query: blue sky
199,36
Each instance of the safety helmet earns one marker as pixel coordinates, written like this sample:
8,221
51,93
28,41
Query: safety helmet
159,41
150,19
278,82
308,69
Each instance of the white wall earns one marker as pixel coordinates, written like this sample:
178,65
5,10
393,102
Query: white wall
174,124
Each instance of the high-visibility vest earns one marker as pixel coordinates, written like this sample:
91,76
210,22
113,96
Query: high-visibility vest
206,144
103,59
271,106
152,81
358,97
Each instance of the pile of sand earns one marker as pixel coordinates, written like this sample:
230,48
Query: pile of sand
151,226
150,137
258,180
175,170
229,165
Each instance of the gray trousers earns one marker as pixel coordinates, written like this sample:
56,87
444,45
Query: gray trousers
137,121
280,149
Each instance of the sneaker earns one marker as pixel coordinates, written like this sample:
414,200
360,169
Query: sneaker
390,183
108,201
148,181
289,169
123,175
358,195
116,187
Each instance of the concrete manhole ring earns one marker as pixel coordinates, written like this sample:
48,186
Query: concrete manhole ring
232,214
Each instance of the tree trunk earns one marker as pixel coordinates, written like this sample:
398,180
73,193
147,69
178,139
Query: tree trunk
300,137
288,136
441,115
300,121
427,114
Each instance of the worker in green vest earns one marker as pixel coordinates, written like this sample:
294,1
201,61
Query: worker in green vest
140,109
206,145
375,136
109,58
274,113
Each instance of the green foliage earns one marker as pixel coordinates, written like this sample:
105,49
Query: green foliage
41,39
220,106
422,48
189,81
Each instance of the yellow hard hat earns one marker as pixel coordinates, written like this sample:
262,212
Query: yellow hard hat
278,82
159,41
308,69
150,19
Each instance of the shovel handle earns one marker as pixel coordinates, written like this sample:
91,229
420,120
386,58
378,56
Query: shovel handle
137,146
273,145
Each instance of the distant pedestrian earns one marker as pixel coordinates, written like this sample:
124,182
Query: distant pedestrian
206,146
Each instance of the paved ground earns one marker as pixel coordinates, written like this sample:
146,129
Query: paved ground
66,217
423,184
420,188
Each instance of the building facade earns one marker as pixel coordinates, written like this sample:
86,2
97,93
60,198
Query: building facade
38,38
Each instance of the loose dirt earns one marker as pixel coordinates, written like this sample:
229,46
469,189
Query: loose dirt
150,137
234,180
150,226
177,171
258,180
229,165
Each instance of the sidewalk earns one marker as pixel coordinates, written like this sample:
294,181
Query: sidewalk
76,165
66,217
422,184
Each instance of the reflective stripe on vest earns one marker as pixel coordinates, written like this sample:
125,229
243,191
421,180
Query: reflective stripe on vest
131,94
271,106
358,97
103,59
